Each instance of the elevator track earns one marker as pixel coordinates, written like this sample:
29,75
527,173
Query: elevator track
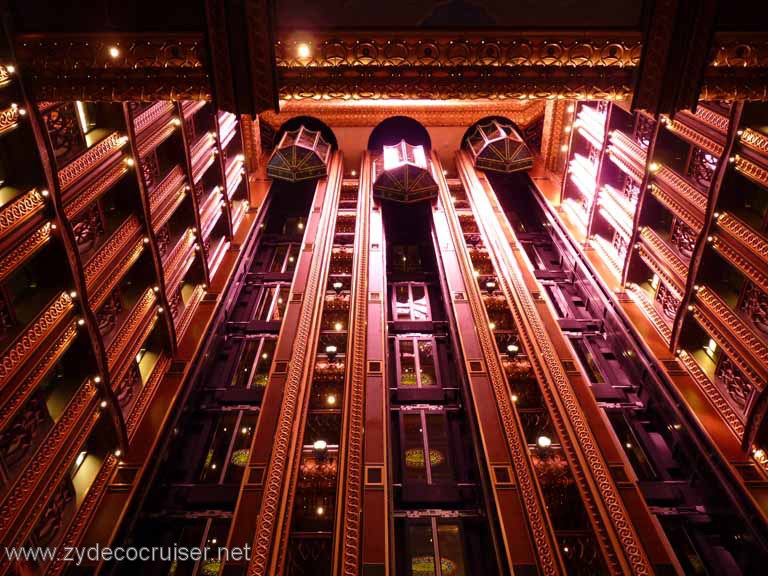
709,520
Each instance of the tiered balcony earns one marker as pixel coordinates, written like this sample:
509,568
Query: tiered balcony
9,119
752,170
239,208
755,141
663,260
216,254
641,299
627,155
136,327
167,196
235,171
743,346
104,153
122,246
153,138
211,211
179,259
79,198
51,324
680,197
202,156
159,111
693,136
227,128
20,214
608,254
615,209
744,247
591,125
713,120
184,317
583,175
189,107
20,253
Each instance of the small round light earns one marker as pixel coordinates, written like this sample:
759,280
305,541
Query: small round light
303,50
73,294
129,161
338,326
544,441
103,404
175,121
319,510
80,322
354,172
492,325
512,348
571,108
244,430
114,51
10,68
118,452
514,397
564,148
97,379
265,355
45,193
320,446
654,167
300,225
156,288
160,310
628,445
145,240
330,400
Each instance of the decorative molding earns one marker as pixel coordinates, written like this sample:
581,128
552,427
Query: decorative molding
755,140
32,338
738,50
714,395
711,118
93,157
12,404
694,137
117,271
22,252
148,144
19,210
151,114
626,163
721,337
735,257
642,301
671,180
692,218
5,75
527,49
149,67
103,183
752,170
735,326
9,119
48,466
105,256
189,311
753,241
138,316
146,395
176,257
429,113
662,260
85,512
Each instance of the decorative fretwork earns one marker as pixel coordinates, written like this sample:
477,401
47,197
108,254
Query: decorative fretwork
64,133
667,301
631,190
702,168
644,130
126,390
683,237
176,304
56,515
88,228
109,313
620,244
150,169
755,140
20,210
733,381
163,237
21,436
754,306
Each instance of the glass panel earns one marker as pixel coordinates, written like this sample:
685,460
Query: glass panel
407,364
268,296
413,448
217,449
263,363
293,256
278,259
402,302
420,307
427,372
422,549
451,549
282,297
437,440
238,460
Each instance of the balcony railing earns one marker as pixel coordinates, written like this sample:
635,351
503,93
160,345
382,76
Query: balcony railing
157,137
693,136
234,172
80,200
19,211
155,112
179,259
134,330
663,260
49,322
626,156
640,298
755,140
166,196
752,171
733,327
227,128
680,198
93,157
189,107
125,237
202,156
615,213
22,252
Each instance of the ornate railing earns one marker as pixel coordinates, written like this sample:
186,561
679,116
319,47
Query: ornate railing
9,119
755,140
615,213
22,252
692,217
46,323
172,182
662,258
736,327
121,238
179,259
626,161
227,128
19,210
235,172
117,271
694,137
752,170
90,159
158,137
84,198
640,298
752,240
189,107
669,179
137,325
711,118
151,114
183,320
